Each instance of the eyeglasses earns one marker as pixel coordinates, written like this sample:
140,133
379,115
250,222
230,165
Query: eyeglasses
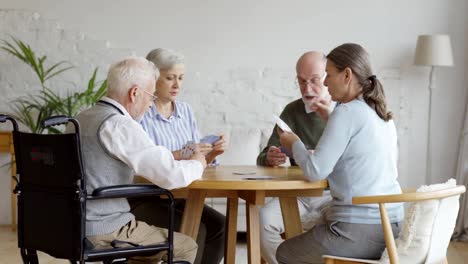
153,97
315,81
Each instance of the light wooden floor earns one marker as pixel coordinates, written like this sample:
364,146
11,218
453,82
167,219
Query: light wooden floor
9,253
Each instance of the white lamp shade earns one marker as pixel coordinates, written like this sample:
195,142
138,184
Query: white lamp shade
433,50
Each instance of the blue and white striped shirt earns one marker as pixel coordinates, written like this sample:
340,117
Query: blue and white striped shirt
172,132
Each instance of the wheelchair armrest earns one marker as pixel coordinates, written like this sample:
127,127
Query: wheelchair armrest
129,190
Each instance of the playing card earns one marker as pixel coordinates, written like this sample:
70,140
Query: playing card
210,139
281,124
286,151
188,149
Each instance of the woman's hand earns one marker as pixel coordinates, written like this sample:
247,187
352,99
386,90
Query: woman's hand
287,139
218,148
203,148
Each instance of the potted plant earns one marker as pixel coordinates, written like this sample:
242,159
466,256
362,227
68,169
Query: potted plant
32,109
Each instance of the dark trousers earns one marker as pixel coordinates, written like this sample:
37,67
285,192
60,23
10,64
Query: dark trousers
363,241
210,235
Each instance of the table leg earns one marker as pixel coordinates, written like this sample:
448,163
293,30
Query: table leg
231,231
192,213
291,217
253,233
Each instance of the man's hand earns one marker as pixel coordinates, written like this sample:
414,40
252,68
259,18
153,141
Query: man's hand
275,157
323,108
287,139
200,157
177,154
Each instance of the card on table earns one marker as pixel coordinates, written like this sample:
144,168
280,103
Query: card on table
260,177
243,173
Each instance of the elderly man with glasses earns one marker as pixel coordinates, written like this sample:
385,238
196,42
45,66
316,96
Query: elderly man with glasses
115,148
305,116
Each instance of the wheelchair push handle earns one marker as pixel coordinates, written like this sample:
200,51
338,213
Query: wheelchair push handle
60,120
4,118
55,121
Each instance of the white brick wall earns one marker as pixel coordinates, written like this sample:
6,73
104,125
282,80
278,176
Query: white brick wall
46,37
240,65
246,98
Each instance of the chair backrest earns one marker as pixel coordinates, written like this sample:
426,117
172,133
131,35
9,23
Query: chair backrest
428,226
51,193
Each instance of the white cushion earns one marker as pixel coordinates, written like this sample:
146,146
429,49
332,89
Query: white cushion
416,235
243,148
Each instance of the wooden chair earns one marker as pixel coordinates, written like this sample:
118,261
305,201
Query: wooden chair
440,228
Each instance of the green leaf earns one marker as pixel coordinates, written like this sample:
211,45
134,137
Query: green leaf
58,72
92,81
48,71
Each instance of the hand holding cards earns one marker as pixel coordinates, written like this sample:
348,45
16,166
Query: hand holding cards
188,150
204,147
286,136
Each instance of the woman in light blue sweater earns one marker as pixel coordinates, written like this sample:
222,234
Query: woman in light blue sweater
357,154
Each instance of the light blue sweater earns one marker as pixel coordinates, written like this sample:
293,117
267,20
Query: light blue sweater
357,154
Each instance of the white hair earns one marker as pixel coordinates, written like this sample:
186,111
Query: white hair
129,72
165,59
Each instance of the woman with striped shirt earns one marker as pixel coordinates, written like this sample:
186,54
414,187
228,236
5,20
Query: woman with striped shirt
171,123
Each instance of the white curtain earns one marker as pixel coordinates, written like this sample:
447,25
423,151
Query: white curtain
461,229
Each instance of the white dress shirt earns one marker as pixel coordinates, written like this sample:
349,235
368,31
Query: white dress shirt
124,138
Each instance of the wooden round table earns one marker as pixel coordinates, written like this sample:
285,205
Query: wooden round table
248,183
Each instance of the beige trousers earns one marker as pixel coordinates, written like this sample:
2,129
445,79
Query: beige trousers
185,248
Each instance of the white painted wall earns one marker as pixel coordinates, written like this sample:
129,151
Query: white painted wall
241,56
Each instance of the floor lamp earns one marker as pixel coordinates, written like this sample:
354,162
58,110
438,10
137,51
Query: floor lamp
432,50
